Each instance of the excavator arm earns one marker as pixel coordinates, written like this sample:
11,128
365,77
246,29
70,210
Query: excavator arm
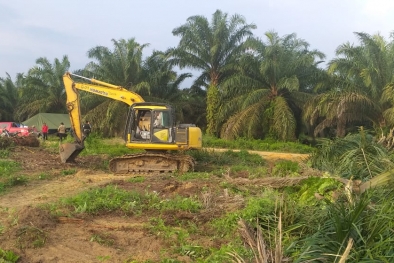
69,151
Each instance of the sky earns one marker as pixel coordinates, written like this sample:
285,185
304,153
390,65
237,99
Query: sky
30,29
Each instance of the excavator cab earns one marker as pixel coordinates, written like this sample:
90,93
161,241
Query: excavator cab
150,123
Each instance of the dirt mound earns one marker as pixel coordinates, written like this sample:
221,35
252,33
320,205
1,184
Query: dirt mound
28,228
35,216
31,141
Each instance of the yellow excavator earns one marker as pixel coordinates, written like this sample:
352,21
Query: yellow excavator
150,126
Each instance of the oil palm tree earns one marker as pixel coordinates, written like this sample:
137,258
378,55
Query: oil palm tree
42,89
360,91
163,81
121,66
213,49
153,78
356,156
266,97
9,97
353,231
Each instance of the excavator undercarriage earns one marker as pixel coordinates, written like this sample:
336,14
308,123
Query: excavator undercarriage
151,163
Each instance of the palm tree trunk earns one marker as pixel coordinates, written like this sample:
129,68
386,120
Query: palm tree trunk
212,109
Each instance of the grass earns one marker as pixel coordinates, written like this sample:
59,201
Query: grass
95,144
68,172
8,256
257,145
208,161
4,153
105,200
31,237
112,198
8,176
103,238
285,167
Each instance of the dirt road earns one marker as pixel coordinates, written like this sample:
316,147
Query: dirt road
271,156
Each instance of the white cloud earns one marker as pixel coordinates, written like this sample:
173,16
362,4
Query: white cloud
378,9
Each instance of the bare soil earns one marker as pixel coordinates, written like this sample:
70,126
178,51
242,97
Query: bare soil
39,236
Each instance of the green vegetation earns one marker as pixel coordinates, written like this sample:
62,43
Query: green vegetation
303,216
8,176
4,153
94,145
31,237
68,172
113,198
285,168
103,239
229,157
356,155
107,199
8,256
257,145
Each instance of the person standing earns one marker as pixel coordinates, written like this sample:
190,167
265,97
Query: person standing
86,128
61,131
44,131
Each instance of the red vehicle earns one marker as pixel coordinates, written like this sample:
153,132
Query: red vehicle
17,128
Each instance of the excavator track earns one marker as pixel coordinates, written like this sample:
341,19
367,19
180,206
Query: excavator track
151,163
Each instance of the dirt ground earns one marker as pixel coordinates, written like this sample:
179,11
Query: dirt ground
23,224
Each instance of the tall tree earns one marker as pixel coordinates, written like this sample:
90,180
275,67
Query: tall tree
8,97
120,66
153,78
266,97
163,80
42,89
360,91
212,48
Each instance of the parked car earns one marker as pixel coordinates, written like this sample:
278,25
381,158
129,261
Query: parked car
17,128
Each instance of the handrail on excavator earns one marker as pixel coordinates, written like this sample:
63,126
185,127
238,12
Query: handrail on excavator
96,81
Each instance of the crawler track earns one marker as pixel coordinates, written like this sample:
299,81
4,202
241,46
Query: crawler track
151,163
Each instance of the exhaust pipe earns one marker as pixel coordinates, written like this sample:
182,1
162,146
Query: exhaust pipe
69,151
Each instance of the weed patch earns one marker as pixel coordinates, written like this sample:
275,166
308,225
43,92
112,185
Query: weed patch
68,172
285,167
103,239
8,177
30,237
210,160
106,199
8,256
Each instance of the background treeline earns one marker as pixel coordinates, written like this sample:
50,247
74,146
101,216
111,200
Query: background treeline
269,86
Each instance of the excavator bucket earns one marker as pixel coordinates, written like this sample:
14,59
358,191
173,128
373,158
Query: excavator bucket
69,151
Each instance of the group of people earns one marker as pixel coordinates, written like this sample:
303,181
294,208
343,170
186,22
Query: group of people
61,130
